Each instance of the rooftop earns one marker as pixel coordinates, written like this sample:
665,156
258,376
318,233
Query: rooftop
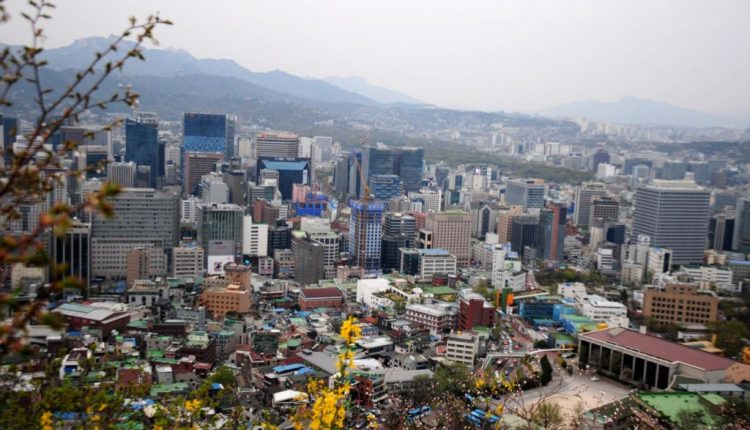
659,348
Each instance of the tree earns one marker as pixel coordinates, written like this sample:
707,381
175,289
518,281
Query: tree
546,375
37,169
729,336
549,416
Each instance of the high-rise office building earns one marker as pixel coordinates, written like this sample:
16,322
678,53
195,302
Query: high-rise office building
524,232
142,143
551,232
406,163
529,193
290,171
365,231
604,208
721,232
674,170
73,252
308,261
399,231
674,214
142,214
741,239
505,222
599,157
285,145
208,133
197,164
122,174
213,189
583,197
220,222
254,237
451,230
279,236
384,187
410,165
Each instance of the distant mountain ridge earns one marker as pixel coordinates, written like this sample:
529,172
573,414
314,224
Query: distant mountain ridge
358,85
177,62
633,110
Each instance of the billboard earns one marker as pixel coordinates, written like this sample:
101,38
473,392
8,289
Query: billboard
220,252
216,263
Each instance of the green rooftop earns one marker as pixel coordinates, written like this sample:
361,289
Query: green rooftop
669,405
138,324
160,389
440,291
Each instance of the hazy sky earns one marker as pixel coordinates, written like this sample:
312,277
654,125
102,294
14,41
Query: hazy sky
515,55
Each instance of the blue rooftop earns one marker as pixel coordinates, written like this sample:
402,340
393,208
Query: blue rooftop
434,251
284,165
288,368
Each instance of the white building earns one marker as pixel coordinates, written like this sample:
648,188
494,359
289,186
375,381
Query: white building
435,317
187,261
605,259
214,189
431,199
600,309
434,261
659,261
189,210
254,237
710,275
462,348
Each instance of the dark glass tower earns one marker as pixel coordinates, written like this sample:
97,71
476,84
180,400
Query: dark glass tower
142,146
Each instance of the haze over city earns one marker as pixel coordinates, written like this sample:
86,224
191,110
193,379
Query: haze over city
489,55
380,215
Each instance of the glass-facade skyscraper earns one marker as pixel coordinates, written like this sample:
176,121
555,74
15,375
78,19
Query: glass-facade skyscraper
410,164
142,146
204,132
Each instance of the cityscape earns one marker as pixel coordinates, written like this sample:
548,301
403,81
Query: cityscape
189,244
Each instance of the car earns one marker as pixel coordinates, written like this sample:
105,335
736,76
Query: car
594,378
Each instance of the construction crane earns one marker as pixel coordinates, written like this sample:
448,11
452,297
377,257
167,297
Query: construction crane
361,231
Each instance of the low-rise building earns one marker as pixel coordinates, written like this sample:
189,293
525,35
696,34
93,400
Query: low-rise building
231,298
462,348
680,303
650,361
326,297
436,318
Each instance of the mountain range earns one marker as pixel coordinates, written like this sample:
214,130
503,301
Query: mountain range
633,110
172,81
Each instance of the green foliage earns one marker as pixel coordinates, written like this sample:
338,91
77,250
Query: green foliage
729,336
546,376
452,378
224,376
550,278
548,416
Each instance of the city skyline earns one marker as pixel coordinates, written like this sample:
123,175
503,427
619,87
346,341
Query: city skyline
498,55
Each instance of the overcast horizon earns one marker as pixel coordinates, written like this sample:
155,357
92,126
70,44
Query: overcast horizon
512,56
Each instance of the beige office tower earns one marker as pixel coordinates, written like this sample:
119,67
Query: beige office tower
505,222
451,230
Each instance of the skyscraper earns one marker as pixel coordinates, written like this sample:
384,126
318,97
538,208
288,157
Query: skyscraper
142,143
605,208
524,232
384,187
365,234
73,251
551,232
674,214
220,222
529,193
451,230
204,132
290,171
741,239
399,231
409,166
583,197
196,165
122,174
277,145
